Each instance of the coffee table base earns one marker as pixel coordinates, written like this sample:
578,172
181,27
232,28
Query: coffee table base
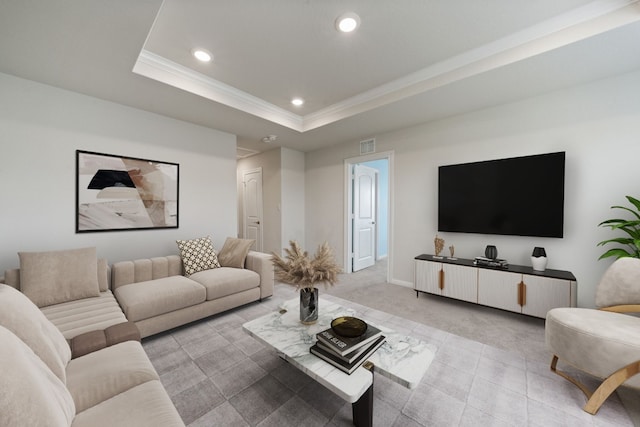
362,409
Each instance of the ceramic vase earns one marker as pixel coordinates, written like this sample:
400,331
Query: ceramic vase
539,259
309,306
491,252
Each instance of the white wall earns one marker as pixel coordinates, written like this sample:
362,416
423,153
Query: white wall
598,125
41,127
292,197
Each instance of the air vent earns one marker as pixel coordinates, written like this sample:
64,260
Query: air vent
368,146
241,153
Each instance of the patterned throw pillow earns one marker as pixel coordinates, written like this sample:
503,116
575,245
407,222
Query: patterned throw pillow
197,255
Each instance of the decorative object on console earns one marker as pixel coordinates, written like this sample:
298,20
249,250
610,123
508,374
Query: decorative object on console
539,259
491,262
491,252
125,193
305,274
631,227
438,242
452,250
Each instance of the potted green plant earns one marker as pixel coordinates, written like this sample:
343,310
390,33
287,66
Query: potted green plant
298,269
631,244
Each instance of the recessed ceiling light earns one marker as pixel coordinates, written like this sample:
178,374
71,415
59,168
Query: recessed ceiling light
297,101
202,55
348,22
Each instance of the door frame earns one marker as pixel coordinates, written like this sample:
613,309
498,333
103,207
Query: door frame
260,208
348,203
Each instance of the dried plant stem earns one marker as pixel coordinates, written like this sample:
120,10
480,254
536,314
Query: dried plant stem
297,269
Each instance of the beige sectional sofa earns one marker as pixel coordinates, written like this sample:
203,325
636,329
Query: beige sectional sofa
59,298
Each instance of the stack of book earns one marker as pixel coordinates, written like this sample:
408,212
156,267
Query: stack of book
347,353
489,262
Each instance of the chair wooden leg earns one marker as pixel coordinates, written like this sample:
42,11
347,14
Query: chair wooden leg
608,386
585,390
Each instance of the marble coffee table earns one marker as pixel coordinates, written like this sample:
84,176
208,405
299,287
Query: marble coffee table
401,358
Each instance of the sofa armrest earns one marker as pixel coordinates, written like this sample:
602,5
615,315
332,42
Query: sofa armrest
97,340
260,262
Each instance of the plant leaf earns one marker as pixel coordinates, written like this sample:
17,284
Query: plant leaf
616,252
635,202
621,240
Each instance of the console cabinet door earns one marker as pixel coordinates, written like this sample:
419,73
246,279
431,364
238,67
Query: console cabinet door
545,293
428,276
460,282
499,289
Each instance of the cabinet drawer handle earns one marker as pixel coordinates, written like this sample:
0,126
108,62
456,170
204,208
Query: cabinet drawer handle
441,281
522,294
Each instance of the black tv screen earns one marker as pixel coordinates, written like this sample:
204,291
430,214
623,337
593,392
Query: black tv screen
520,196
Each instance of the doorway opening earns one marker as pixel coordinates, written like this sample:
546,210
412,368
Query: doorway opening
368,216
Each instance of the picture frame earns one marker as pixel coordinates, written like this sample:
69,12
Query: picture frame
120,193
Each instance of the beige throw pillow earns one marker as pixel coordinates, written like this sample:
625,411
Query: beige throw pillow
30,395
21,316
59,276
197,255
234,252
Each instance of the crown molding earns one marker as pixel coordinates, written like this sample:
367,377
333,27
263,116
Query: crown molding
171,73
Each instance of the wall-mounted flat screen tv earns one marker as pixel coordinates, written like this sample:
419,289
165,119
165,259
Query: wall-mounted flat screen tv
520,196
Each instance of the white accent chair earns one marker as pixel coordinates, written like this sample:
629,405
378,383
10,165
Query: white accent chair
604,342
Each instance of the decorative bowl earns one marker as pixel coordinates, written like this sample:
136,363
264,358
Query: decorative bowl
347,326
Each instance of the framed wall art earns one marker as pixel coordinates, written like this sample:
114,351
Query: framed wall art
125,193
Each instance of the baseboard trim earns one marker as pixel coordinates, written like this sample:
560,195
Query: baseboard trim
401,283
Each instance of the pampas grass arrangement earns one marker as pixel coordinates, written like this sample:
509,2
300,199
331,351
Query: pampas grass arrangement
297,269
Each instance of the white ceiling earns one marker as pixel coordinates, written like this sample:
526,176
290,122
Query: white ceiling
411,61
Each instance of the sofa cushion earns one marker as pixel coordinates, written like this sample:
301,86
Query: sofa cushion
31,394
58,276
20,315
224,281
146,405
197,255
98,376
148,299
234,252
88,314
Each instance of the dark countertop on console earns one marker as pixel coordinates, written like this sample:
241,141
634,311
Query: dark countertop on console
557,274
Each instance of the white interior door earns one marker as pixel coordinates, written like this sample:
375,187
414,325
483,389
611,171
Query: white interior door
364,216
252,206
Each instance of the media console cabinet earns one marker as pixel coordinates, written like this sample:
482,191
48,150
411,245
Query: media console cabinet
517,288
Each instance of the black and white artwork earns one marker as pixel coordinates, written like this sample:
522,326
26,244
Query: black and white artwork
125,193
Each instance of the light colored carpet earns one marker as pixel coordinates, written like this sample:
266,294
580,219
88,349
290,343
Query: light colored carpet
491,368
